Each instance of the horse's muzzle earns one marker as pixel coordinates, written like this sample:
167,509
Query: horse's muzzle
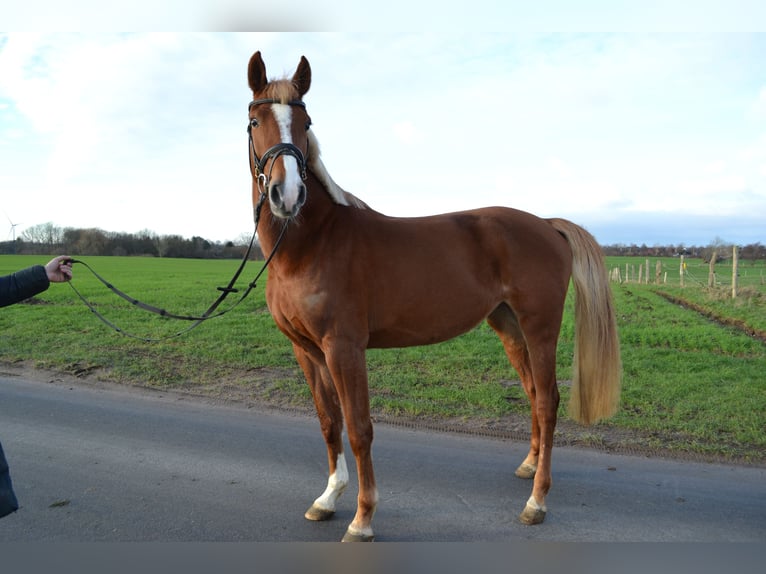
286,205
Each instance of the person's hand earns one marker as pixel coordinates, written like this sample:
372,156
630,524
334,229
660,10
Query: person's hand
59,269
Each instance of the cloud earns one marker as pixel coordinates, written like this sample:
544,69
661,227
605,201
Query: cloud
406,133
759,106
589,127
676,228
125,127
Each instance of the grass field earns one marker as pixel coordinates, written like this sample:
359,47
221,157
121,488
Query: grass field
690,383
747,308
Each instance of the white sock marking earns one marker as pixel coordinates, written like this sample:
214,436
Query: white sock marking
534,504
336,484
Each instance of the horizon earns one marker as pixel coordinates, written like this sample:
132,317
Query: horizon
641,138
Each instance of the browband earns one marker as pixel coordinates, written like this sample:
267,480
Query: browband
275,101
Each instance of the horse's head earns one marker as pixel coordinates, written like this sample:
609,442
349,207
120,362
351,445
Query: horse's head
278,129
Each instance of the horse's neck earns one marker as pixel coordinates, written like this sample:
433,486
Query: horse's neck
313,217
324,198
317,167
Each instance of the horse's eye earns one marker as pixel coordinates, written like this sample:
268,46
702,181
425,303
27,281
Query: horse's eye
308,124
253,123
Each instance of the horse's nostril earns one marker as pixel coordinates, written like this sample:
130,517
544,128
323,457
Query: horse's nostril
275,195
301,195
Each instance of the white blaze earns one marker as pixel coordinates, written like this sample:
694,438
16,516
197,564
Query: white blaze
283,113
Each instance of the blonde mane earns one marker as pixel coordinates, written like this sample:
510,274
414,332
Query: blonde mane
338,194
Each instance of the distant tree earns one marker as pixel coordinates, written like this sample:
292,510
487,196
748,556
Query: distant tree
46,235
48,238
721,247
92,241
146,243
753,252
172,246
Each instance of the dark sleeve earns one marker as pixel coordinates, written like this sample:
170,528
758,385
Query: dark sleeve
23,285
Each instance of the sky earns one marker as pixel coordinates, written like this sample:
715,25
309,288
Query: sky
642,137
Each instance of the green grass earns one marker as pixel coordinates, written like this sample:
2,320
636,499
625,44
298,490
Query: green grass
690,384
688,377
748,309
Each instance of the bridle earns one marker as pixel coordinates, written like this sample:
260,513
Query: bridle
258,165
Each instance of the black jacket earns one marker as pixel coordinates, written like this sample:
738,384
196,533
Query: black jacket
23,285
14,288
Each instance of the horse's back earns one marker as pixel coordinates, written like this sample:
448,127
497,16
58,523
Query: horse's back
489,238
428,279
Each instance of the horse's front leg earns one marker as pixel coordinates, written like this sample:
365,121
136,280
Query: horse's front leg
331,422
348,369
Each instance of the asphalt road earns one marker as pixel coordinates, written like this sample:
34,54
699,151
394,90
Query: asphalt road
121,465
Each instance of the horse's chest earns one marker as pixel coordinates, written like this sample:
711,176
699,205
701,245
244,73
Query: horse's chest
297,306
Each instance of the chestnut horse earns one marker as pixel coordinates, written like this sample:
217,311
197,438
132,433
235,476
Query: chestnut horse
346,278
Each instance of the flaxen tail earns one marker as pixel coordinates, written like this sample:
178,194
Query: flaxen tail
596,368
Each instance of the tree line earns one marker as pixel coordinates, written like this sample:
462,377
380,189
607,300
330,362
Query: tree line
47,238
722,249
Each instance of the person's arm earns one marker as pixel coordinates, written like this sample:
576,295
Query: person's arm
23,284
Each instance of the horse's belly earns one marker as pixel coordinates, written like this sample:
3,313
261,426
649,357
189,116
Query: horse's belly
390,339
424,328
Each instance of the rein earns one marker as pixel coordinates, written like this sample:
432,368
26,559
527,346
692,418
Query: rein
198,319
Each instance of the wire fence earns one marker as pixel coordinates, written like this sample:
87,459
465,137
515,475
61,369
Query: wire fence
723,272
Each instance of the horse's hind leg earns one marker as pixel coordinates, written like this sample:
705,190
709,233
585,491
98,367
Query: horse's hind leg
331,423
534,357
504,322
542,360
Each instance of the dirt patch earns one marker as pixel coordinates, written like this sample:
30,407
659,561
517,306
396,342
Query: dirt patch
720,320
255,389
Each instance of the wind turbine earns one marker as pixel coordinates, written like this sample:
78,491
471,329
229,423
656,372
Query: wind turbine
12,232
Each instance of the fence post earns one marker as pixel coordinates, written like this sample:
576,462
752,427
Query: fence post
711,271
681,270
647,271
734,271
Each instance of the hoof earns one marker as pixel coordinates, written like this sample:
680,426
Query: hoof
532,515
526,471
319,514
352,537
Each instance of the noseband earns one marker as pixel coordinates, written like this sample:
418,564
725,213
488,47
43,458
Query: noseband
258,165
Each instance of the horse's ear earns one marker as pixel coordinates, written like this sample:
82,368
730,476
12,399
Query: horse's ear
302,77
256,73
